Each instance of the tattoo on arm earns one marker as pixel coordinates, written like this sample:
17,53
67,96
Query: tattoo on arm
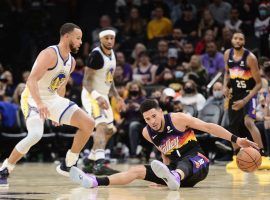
113,90
87,79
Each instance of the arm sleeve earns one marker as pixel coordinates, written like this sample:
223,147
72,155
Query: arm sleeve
95,60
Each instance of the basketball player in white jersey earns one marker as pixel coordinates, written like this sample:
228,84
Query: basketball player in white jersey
97,84
43,98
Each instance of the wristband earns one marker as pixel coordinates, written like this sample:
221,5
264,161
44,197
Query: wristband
234,138
95,94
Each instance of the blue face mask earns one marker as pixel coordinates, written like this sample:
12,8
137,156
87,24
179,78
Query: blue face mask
178,74
263,13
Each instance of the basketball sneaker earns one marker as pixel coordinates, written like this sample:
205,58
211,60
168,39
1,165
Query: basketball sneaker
3,177
100,168
171,178
88,165
85,180
265,163
232,164
63,169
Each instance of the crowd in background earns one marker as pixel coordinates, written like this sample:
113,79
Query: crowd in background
169,50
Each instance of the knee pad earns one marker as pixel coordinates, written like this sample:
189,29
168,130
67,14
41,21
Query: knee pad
35,127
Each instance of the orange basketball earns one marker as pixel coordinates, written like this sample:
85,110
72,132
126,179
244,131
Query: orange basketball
248,159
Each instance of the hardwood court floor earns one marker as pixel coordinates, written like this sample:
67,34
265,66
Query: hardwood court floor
41,181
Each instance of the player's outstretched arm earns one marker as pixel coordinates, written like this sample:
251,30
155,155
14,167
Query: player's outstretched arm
213,129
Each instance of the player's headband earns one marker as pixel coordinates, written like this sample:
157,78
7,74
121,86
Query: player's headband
106,32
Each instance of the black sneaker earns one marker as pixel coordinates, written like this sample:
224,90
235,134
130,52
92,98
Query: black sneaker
3,177
63,169
100,168
88,165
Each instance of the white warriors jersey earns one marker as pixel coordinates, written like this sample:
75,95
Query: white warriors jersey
53,77
103,77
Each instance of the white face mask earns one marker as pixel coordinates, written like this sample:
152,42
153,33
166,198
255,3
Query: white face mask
218,94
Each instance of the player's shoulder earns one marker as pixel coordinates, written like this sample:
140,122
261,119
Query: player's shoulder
227,52
48,55
251,55
179,116
95,60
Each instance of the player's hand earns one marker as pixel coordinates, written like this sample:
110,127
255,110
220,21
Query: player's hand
121,104
244,142
103,104
43,110
237,105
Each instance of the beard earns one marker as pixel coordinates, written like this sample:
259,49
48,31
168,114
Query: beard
238,48
106,47
73,49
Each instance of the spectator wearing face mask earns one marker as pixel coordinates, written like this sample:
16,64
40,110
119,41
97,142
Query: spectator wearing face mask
191,96
217,98
133,121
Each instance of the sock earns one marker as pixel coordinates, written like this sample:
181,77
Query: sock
71,158
92,155
7,165
99,154
103,181
262,152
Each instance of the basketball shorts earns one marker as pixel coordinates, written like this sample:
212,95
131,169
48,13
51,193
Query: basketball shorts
60,108
195,168
237,117
92,108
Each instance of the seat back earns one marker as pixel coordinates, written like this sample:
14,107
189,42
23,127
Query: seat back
210,113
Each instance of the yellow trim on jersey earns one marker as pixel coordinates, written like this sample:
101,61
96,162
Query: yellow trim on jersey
24,102
96,111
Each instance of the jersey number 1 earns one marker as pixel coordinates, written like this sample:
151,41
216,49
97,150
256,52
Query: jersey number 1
241,84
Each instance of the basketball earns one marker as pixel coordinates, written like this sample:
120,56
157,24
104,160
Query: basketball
248,159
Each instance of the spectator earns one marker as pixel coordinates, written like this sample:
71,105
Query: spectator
20,87
161,56
77,74
134,29
209,36
262,29
145,71
187,23
217,97
133,121
187,52
135,53
207,22
127,69
196,69
160,26
234,23
213,60
177,39
247,13
220,10
7,84
191,96
225,42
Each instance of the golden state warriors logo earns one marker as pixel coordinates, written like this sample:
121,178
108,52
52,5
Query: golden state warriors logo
109,76
57,81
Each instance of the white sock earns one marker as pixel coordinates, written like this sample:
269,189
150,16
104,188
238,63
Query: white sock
92,155
99,154
71,158
7,165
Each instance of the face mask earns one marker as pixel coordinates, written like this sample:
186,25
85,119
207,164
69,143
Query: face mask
133,93
218,94
263,13
178,74
189,90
